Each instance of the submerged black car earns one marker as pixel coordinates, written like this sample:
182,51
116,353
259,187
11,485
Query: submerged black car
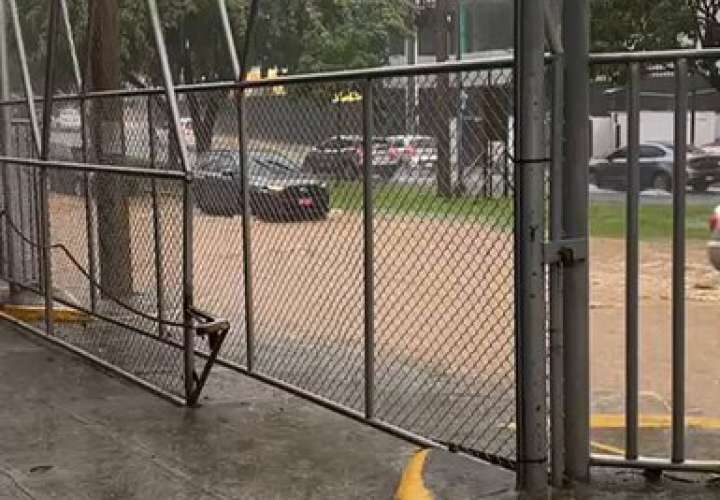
278,191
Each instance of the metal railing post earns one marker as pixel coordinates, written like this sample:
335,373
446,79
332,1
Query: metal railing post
530,237
157,227
229,40
632,270
246,235
245,182
557,405
576,296
678,265
368,248
45,239
8,239
81,82
28,203
187,244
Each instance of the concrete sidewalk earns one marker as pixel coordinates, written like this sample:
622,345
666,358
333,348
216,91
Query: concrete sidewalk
71,431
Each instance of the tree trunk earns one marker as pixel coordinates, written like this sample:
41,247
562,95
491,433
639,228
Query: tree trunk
204,116
443,108
112,191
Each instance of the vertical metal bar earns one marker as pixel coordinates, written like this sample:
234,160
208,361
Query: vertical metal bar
227,29
157,229
632,267
27,84
678,269
460,101
249,30
557,410
368,248
245,182
34,136
576,278
71,44
45,155
530,236
411,94
90,233
9,238
188,333
246,235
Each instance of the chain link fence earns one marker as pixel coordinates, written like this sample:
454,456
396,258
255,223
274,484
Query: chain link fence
356,233
442,264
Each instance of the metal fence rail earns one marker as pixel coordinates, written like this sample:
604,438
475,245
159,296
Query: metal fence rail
632,66
395,304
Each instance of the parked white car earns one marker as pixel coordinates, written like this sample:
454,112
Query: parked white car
413,150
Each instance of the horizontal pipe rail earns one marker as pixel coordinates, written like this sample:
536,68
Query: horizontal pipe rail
647,463
498,62
652,56
92,167
502,62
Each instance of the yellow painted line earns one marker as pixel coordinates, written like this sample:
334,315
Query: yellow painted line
37,313
412,486
617,421
607,448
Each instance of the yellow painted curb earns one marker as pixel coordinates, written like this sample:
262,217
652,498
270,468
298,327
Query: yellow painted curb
617,421
31,314
607,448
412,486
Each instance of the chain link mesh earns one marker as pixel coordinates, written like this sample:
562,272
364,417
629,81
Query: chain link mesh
443,240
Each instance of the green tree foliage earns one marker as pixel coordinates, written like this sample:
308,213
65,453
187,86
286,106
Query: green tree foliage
619,25
297,35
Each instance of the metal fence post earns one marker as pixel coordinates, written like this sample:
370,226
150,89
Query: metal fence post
80,81
28,203
368,247
576,296
8,239
246,235
678,268
229,40
176,133
632,348
157,226
557,332
530,238
45,240
245,182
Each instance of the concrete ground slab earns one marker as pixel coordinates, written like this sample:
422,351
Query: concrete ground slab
71,431
68,430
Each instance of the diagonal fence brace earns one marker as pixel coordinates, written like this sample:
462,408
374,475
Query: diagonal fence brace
216,331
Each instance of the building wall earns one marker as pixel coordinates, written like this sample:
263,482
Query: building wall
654,126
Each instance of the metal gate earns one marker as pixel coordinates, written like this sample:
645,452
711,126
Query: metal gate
364,260
376,239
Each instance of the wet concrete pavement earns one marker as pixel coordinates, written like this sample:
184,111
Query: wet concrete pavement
69,430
